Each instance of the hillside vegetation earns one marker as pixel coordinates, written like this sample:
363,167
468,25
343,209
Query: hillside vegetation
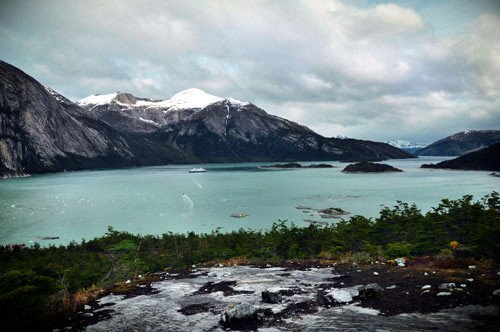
38,283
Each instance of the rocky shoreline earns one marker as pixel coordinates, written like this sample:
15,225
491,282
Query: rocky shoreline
305,296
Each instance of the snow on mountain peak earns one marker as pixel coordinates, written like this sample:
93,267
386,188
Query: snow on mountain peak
185,99
190,98
402,144
97,99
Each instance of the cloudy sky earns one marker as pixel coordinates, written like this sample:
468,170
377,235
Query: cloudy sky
415,70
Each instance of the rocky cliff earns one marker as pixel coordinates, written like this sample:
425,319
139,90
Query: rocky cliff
39,133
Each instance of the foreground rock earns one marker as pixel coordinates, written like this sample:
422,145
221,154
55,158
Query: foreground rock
238,315
312,299
367,167
371,291
338,296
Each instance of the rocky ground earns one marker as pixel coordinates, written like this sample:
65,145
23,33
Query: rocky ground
305,296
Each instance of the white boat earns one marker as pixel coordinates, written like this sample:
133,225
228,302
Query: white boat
197,170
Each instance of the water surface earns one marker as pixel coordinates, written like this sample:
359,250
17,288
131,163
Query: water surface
150,200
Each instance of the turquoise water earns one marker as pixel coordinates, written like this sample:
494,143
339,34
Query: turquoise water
150,200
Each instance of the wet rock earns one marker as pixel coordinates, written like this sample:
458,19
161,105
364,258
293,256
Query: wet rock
239,314
273,295
371,291
338,296
332,212
239,215
448,286
426,287
195,308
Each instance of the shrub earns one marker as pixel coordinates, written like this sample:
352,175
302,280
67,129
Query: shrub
399,249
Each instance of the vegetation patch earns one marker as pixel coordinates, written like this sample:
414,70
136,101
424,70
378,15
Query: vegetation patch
38,284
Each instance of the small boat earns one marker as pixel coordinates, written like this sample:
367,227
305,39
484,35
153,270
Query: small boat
197,170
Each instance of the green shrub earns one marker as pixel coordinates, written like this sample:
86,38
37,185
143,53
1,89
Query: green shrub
399,249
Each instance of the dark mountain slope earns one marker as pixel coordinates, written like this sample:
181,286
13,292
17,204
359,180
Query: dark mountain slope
461,143
486,159
41,132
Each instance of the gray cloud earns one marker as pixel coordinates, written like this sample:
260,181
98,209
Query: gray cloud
369,71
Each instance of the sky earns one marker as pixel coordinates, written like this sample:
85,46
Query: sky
413,70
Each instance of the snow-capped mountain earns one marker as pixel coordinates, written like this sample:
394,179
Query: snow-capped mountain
43,131
187,99
129,113
405,144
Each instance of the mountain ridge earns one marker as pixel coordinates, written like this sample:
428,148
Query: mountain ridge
485,159
42,131
461,143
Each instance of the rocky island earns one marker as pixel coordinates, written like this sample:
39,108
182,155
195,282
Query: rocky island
297,165
367,167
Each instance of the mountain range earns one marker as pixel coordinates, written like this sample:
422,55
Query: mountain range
42,131
461,143
406,145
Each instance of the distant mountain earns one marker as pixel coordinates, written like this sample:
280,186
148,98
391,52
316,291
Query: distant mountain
406,145
486,159
461,143
42,131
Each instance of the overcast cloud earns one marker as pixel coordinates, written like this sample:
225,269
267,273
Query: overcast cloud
365,69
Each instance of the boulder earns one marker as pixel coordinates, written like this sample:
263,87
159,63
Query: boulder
371,291
448,286
237,314
338,296
273,295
